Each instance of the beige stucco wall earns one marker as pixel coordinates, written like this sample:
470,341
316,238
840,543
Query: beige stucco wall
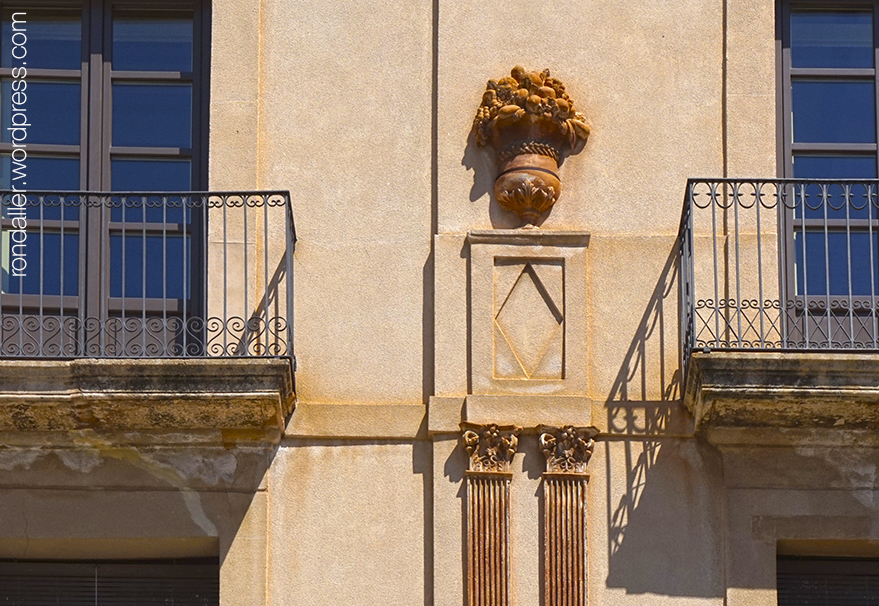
363,112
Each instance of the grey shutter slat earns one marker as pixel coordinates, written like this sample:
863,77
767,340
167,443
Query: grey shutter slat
180,583
828,582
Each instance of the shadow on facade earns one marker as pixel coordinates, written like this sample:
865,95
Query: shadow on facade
663,517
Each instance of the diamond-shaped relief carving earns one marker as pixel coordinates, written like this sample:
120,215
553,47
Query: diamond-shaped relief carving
529,329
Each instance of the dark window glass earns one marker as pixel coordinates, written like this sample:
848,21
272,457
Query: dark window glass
836,250
816,166
838,203
152,115
152,41
163,265
52,109
47,263
831,39
827,581
53,38
110,583
39,173
833,111
142,175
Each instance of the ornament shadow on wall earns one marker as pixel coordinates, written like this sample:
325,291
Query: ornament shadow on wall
530,122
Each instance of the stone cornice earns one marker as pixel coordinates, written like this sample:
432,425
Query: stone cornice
784,398
202,401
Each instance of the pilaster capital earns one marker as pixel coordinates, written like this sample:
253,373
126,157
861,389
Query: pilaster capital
491,447
567,449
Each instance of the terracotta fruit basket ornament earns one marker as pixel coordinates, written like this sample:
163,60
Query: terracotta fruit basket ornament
530,122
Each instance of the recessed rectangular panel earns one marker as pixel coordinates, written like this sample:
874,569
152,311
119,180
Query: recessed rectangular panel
833,111
152,40
43,112
41,38
834,39
152,115
529,321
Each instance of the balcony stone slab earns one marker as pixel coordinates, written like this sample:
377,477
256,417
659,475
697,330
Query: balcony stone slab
208,402
785,398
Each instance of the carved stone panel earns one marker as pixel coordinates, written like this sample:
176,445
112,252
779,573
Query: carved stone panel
529,326
525,338
530,121
491,447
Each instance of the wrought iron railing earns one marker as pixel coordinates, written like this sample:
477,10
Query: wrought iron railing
158,275
785,264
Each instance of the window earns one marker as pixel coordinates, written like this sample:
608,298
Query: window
136,583
114,93
827,581
829,128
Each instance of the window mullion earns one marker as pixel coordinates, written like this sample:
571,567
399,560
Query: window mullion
92,258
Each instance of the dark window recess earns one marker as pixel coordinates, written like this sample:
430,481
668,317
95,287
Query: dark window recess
107,583
827,582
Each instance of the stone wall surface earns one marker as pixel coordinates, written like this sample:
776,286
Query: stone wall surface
368,123
402,276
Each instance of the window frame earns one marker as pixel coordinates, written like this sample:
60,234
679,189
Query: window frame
814,311
95,153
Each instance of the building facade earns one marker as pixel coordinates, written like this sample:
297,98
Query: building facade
279,337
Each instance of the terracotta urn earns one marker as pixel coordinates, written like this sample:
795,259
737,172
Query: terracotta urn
530,122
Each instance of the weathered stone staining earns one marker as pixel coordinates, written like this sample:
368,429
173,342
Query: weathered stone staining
530,121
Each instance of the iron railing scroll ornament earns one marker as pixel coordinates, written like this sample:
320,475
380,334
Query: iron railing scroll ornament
779,264
147,275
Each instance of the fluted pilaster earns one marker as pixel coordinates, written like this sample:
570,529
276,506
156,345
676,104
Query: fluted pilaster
565,482
491,449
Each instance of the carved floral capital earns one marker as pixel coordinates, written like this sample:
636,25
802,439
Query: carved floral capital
567,449
491,447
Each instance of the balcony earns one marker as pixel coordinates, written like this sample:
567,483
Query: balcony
100,290
780,309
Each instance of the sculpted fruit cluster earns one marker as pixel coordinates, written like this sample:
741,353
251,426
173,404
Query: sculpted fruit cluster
531,96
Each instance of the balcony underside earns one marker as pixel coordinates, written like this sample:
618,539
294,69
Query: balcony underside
785,398
110,402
